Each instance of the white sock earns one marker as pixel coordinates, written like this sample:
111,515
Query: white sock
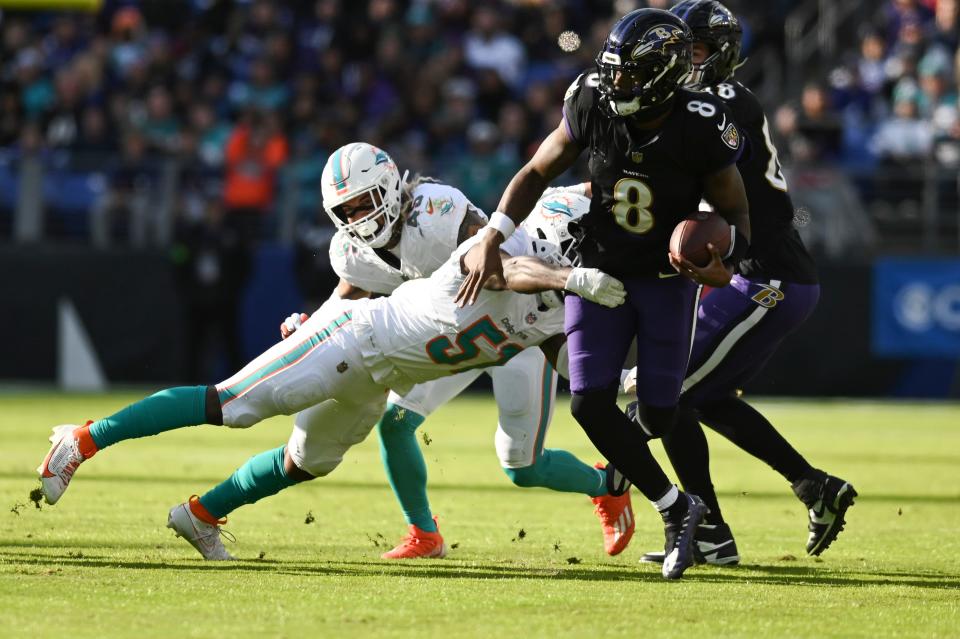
669,499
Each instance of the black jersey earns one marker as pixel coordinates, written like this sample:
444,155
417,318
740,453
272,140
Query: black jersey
776,249
645,182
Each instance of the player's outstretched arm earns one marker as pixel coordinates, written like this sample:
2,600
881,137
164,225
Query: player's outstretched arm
526,274
556,154
344,291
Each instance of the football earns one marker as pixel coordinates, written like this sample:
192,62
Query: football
691,236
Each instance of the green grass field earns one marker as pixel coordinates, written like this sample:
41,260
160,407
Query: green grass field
102,564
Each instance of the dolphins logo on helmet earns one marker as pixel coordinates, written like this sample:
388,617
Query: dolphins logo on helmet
550,222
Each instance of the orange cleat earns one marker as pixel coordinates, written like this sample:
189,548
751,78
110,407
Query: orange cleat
419,544
616,518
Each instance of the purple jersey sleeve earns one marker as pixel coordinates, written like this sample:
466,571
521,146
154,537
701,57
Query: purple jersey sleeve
578,108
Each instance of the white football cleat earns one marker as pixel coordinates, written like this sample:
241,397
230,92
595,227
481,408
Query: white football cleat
201,535
61,462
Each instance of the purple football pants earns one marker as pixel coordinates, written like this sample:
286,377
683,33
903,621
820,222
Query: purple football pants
659,313
738,328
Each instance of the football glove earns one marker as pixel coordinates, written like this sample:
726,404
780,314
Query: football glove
595,285
291,324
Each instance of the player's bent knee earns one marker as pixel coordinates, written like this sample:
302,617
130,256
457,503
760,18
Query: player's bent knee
514,446
526,477
587,405
293,471
656,421
240,419
244,412
319,467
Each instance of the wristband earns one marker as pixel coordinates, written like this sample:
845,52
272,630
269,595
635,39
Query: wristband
500,222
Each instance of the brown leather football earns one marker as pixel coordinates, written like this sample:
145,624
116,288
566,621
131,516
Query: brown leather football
691,236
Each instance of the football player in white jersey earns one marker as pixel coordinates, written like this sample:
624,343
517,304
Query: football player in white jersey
373,253
347,354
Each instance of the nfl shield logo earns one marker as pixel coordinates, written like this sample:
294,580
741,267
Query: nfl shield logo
530,318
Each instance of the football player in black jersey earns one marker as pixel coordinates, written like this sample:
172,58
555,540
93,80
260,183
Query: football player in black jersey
655,149
741,325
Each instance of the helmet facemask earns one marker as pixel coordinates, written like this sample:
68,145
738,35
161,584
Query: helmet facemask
717,67
635,88
373,229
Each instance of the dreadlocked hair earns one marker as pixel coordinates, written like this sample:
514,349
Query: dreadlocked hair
406,193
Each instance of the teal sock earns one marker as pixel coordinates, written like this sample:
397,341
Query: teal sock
404,464
169,409
261,476
560,470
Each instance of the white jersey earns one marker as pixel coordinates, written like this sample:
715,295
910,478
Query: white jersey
419,334
429,236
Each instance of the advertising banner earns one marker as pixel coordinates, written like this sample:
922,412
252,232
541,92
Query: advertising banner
916,308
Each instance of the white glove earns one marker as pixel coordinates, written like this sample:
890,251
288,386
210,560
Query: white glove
629,381
595,285
291,324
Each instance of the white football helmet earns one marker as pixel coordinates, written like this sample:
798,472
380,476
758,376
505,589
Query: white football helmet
549,221
354,170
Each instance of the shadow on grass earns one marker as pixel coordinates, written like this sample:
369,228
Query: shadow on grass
505,486
811,576
467,570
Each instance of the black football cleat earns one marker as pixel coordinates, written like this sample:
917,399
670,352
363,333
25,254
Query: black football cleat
712,544
827,499
679,553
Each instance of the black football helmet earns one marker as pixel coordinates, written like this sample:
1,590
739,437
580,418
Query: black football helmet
717,27
644,60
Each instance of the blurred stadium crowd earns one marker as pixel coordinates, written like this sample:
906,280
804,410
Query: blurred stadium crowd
246,94
892,100
248,98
